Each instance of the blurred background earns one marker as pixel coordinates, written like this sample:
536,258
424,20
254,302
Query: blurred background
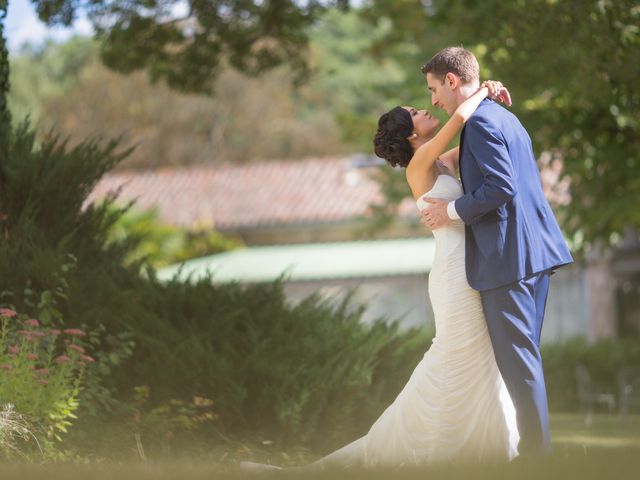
189,198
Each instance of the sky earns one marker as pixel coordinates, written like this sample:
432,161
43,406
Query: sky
22,25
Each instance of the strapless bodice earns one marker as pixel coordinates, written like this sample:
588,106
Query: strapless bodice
446,188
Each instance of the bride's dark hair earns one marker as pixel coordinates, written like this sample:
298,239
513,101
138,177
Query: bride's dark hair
391,141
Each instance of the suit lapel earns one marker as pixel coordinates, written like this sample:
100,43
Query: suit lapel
460,159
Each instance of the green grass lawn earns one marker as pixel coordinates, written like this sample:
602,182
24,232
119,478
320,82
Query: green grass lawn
606,432
609,448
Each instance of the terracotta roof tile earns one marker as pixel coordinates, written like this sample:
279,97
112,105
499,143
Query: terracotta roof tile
317,190
235,196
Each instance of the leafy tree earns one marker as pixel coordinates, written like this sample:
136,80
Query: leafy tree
65,88
39,75
158,244
348,79
5,115
572,66
187,49
573,69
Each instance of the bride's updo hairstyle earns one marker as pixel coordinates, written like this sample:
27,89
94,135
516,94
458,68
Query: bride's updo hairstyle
391,141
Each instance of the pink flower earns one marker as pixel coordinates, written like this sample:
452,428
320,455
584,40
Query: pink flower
32,356
54,332
32,322
75,331
26,333
7,312
13,349
37,334
42,382
75,347
6,366
87,358
62,359
42,371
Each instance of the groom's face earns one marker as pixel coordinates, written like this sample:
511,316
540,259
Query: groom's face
442,95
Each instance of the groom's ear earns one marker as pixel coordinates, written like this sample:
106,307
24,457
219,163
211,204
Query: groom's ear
451,80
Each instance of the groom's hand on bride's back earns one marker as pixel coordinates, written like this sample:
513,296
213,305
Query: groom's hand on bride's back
435,215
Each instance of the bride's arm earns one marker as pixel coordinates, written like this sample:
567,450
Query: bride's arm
421,171
424,156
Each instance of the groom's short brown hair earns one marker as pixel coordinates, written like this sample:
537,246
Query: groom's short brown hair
455,60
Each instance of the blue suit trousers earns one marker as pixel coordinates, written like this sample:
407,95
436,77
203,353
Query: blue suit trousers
514,315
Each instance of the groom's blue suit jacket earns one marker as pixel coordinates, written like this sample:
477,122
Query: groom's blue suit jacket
511,232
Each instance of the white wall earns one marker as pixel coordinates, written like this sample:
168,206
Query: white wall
393,297
567,313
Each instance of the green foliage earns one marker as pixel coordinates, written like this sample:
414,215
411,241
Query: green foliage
158,245
290,375
187,51
603,360
5,115
41,371
354,84
37,174
394,189
54,256
45,221
158,427
599,456
250,119
571,66
572,69
45,73
309,374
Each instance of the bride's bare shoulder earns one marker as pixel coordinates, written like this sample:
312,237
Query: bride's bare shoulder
421,181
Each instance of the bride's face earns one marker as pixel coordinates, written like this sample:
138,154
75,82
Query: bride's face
424,124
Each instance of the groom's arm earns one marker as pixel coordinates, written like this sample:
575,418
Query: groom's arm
498,187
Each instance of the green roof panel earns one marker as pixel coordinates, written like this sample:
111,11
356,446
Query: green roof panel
313,261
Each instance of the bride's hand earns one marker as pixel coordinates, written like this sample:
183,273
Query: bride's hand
497,92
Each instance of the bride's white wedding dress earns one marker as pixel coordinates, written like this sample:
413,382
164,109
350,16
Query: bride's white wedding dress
455,404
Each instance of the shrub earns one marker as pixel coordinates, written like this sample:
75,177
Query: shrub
309,374
603,360
158,244
41,370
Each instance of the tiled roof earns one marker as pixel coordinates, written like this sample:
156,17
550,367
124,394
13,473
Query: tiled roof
321,190
232,197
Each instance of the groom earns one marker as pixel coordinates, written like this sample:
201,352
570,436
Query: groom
513,241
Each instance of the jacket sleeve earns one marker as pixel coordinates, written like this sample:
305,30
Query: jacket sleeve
488,148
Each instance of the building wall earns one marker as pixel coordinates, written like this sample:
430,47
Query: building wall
573,307
325,232
406,298
567,312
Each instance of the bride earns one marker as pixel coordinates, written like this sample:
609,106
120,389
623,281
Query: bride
455,404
